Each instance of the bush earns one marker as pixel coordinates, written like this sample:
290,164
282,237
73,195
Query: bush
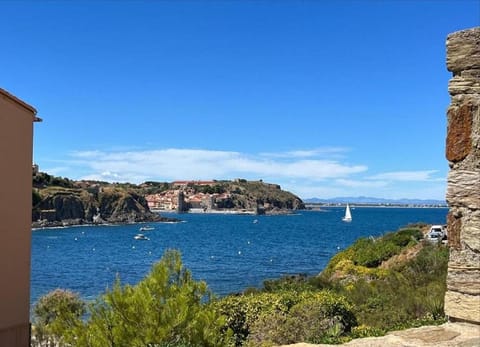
288,282
286,317
318,317
404,237
371,252
241,311
166,308
411,293
55,315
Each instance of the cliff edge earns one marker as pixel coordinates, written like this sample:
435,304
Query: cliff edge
60,202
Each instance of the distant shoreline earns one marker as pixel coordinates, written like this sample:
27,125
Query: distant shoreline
319,205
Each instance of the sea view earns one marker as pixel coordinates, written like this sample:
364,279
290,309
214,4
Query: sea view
229,252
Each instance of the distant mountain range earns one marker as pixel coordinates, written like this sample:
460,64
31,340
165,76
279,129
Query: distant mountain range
370,200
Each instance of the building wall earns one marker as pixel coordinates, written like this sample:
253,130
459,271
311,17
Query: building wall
462,300
16,131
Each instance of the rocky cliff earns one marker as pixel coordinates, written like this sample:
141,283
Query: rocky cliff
58,201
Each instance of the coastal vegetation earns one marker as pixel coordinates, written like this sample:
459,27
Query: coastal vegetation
374,286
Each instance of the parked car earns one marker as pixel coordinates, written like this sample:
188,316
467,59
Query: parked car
437,233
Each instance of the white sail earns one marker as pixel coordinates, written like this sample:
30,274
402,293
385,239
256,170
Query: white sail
348,215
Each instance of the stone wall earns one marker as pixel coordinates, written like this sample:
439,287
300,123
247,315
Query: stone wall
462,300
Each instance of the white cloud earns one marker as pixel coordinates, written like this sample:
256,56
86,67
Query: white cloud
321,172
172,164
425,175
317,152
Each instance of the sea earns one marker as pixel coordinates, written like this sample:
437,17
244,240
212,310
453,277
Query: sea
229,252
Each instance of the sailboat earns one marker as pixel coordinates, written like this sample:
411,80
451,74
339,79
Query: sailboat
348,215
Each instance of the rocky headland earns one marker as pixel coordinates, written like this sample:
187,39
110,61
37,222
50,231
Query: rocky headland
63,202
58,201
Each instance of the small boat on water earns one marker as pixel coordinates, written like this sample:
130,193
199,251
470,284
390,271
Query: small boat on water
140,237
147,228
348,214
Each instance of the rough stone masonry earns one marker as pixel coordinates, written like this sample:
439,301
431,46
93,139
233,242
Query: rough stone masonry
462,299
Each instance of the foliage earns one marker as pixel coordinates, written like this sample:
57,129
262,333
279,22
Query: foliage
55,315
371,252
366,331
151,187
211,189
289,282
166,308
316,318
42,179
36,198
413,291
285,316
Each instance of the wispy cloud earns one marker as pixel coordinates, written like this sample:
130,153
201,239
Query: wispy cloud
321,172
171,164
360,183
325,152
426,175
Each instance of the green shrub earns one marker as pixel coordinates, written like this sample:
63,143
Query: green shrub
412,292
404,237
166,308
371,252
55,315
317,317
290,282
285,316
241,311
366,331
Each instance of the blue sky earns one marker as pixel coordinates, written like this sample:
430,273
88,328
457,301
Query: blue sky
325,98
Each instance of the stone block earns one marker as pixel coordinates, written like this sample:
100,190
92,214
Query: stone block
462,306
454,227
463,50
464,85
464,188
471,232
459,141
464,272
462,280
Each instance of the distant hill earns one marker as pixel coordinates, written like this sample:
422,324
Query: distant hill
378,201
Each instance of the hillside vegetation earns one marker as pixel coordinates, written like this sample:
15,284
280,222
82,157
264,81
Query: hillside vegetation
376,285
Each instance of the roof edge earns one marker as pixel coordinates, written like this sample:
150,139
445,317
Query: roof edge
21,103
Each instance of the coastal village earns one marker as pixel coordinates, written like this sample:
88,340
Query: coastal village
182,196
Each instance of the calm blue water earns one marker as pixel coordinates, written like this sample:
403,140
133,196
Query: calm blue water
230,252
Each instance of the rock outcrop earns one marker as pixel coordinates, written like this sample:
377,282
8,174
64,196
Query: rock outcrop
60,202
445,335
462,299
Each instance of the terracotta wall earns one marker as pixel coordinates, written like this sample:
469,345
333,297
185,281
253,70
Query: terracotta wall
462,300
16,131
